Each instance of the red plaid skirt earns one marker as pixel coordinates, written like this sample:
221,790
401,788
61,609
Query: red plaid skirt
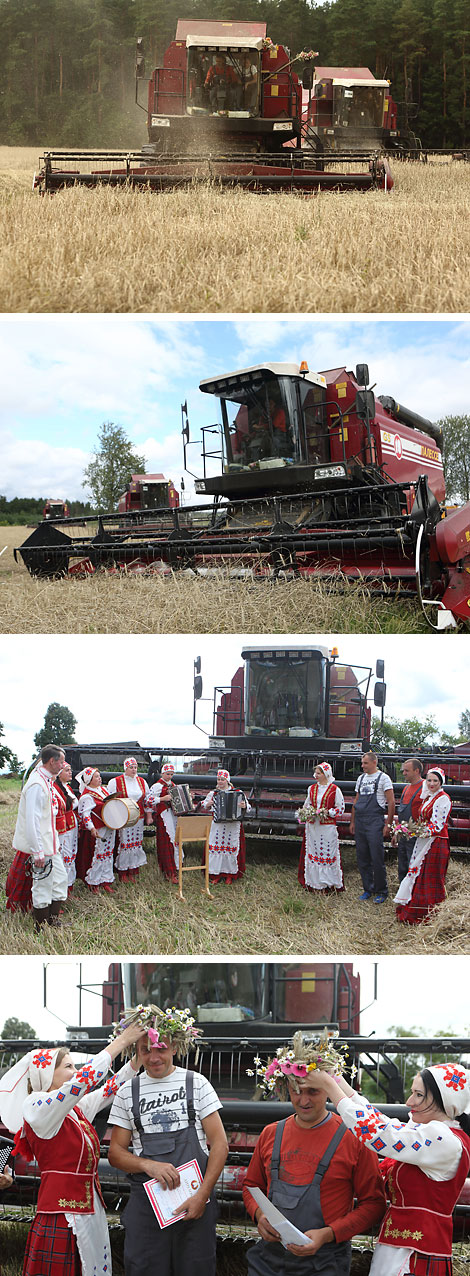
429,889
51,1248
18,884
425,1265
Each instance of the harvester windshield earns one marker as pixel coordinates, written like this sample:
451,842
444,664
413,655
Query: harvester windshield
272,418
224,993
285,693
359,105
223,80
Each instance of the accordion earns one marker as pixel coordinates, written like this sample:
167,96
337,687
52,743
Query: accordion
181,800
227,805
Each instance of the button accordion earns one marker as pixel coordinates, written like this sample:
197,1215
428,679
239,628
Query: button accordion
181,800
227,805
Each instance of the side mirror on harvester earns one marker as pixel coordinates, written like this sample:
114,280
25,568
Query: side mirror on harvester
365,404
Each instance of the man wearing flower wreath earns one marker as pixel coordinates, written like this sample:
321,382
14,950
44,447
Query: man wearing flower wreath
169,1115
311,1169
374,802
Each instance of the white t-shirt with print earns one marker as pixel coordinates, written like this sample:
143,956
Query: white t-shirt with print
365,785
163,1106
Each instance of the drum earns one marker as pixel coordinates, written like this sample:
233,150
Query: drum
227,805
117,812
181,800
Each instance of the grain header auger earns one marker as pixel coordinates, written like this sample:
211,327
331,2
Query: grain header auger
226,106
316,477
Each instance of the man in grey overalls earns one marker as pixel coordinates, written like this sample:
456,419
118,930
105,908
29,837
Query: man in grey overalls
308,1168
167,1112
374,799
408,809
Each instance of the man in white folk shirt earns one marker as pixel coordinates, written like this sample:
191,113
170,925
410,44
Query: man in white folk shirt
36,836
166,1113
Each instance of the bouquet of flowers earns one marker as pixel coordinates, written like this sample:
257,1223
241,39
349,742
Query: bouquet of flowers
418,828
297,1062
306,814
326,814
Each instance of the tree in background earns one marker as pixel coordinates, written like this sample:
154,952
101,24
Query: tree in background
464,725
7,757
456,456
113,464
59,726
17,1028
412,733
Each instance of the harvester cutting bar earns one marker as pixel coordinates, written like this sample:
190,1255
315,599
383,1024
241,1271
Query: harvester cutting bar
295,170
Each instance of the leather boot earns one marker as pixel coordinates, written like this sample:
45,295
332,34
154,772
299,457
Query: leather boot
54,910
41,916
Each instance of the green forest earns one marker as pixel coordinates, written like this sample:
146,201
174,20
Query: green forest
67,71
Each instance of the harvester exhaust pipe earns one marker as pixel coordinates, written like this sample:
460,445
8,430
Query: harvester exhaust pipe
407,417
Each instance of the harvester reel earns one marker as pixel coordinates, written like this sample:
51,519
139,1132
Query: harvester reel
444,618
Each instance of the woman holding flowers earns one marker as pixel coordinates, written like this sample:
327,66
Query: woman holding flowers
50,1105
320,862
428,1160
424,885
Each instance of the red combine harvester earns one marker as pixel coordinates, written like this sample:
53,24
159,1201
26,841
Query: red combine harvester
55,509
148,491
221,107
317,477
345,108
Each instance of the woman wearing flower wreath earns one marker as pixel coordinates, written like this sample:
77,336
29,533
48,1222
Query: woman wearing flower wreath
227,851
96,842
424,885
50,1105
428,1160
320,861
310,1166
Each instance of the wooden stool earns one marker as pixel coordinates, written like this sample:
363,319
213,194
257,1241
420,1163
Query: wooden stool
193,828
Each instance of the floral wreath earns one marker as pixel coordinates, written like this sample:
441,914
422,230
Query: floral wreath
176,1026
294,1063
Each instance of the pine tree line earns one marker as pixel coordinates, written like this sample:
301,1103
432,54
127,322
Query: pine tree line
67,69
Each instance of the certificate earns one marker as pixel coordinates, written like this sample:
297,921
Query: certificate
289,1234
165,1200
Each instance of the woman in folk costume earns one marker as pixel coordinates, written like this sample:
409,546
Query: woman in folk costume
131,855
95,841
424,885
320,861
227,858
158,801
67,822
427,1162
48,1104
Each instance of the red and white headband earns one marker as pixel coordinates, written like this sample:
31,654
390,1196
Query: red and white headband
453,1084
437,770
325,767
38,1069
167,769
130,762
83,777
223,775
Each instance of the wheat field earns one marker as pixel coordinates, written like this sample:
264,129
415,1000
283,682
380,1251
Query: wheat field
186,604
207,250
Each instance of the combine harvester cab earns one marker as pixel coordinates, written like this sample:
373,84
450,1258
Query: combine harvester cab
225,106
347,110
316,477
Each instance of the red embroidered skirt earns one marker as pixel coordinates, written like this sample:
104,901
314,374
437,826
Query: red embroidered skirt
85,853
18,884
51,1248
241,863
429,889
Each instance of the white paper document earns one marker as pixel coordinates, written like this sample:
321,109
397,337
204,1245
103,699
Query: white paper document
289,1234
165,1200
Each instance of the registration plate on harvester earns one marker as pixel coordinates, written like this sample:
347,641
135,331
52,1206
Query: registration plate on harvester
283,126
159,121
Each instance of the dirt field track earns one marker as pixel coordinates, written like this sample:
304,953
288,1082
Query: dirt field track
205,250
184,604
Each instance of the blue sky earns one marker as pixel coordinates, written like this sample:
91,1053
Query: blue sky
62,377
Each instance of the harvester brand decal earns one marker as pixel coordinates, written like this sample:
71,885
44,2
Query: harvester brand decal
341,388
404,449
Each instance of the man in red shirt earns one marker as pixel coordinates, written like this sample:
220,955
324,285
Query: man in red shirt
220,82
310,1169
409,808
